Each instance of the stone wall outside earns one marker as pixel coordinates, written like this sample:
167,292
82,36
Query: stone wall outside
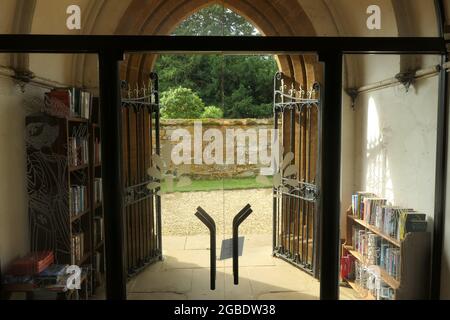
214,171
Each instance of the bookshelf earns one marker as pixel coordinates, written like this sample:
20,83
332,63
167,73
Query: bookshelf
64,213
58,184
412,281
96,195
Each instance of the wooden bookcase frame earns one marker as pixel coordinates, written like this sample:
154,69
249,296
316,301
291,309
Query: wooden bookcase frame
415,262
97,208
62,219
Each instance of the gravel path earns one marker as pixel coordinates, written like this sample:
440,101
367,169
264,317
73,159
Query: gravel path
178,211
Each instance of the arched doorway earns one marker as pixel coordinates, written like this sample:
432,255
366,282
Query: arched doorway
186,256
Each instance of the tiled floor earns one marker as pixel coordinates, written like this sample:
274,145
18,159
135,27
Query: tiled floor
184,274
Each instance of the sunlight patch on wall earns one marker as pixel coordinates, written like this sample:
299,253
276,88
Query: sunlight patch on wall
378,176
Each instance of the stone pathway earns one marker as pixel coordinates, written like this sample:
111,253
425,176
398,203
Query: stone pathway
184,274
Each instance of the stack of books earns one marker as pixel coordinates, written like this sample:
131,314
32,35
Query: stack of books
376,251
369,279
97,151
56,274
31,264
84,105
98,233
78,197
77,247
76,101
78,151
98,191
348,267
390,260
371,206
392,221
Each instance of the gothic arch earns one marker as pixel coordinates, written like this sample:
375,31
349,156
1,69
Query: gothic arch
269,17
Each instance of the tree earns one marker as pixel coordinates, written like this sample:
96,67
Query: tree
217,78
181,103
216,20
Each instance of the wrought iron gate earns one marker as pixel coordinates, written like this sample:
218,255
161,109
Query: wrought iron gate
140,140
296,198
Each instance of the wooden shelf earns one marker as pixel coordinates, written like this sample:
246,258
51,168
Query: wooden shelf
363,293
388,279
375,230
80,167
78,216
414,270
80,120
82,174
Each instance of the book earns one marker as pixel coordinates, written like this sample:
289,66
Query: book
358,203
69,102
77,252
411,222
347,267
98,192
85,104
97,151
31,264
53,270
58,103
98,233
52,275
370,208
78,200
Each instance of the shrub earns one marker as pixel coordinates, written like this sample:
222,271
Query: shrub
181,103
212,112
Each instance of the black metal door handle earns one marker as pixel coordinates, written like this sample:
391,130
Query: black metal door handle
237,220
204,217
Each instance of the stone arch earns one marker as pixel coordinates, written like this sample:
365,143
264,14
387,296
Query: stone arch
269,17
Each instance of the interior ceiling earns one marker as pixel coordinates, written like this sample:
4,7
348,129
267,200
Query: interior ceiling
271,17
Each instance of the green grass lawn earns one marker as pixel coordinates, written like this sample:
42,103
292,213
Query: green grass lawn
223,184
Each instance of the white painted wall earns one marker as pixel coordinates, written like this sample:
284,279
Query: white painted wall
14,106
395,144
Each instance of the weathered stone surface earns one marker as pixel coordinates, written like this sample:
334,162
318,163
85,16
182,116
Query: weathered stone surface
213,171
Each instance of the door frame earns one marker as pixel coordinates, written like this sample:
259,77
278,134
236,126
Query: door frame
110,50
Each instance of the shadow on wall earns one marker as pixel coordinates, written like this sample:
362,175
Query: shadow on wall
378,176
396,145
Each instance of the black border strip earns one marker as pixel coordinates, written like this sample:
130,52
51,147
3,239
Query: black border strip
97,43
441,166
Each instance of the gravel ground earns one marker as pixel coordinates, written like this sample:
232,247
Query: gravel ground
178,211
